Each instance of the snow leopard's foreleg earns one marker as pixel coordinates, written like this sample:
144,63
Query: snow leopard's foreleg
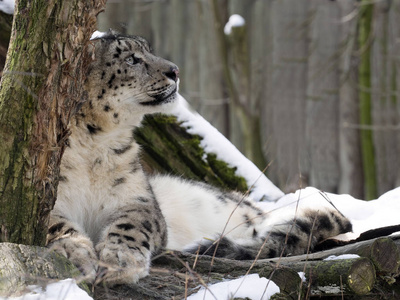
65,237
129,239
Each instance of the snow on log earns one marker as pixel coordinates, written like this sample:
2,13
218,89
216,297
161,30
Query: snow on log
187,145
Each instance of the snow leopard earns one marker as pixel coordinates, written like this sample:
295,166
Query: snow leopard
110,217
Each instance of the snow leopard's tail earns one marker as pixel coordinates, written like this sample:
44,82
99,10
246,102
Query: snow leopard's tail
293,237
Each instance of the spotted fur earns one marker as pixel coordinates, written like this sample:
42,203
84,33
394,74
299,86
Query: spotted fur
110,218
106,215
228,224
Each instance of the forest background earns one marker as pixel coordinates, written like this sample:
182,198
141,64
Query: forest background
308,87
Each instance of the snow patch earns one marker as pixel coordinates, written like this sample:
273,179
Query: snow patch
215,142
7,6
302,276
65,289
343,256
364,215
250,286
330,289
234,21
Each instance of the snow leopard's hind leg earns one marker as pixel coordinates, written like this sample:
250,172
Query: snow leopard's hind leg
65,238
293,237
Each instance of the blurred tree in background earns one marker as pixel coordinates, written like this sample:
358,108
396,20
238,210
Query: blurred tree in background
309,85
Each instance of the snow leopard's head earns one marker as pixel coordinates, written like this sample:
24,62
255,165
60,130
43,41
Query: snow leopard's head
127,80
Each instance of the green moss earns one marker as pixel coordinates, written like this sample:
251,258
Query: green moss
227,174
169,148
364,72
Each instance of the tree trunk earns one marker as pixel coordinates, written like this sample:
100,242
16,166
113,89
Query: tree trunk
42,86
350,162
244,111
322,114
365,38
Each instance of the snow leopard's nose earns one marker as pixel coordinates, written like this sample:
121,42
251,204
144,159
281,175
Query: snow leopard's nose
173,73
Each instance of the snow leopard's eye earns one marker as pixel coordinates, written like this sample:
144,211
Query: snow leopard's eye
132,60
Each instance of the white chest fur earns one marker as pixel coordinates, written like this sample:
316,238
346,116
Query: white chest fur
98,177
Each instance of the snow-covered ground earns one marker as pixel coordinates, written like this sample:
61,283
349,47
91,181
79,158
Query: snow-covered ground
62,290
365,215
250,286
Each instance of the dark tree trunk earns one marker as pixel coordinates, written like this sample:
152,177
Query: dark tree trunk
41,87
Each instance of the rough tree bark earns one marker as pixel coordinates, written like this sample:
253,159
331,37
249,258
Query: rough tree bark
42,86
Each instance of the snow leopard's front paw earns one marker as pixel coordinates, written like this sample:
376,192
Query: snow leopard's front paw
81,253
121,265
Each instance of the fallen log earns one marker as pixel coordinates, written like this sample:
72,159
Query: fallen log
287,279
383,252
176,274
337,277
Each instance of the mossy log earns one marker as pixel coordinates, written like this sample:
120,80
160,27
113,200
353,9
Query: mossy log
346,276
216,268
383,252
176,274
22,265
167,147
